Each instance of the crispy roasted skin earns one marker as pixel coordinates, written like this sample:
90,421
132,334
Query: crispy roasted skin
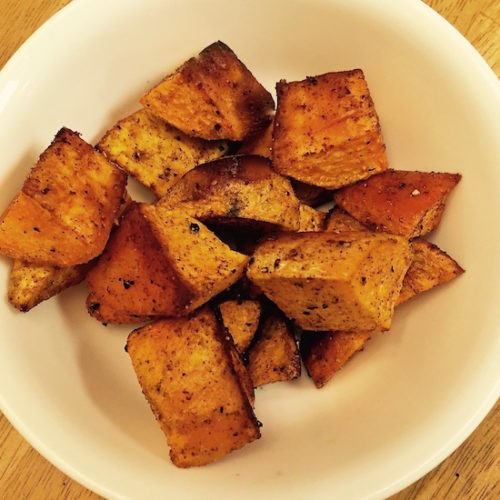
430,267
324,354
65,210
311,220
213,96
260,143
326,130
399,202
159,262
274,356
154,152
241,318
237,190
311,195
30,284
331,282
186,372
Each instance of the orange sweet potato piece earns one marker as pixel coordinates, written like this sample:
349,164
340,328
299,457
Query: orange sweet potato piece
241,318
399,202
324,354
311,220
338,221
430,267
326,130
274,357
238,190
311,195
159,262
212,96
260,143
66,208
186,371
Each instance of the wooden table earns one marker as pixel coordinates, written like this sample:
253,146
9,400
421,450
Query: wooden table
473,471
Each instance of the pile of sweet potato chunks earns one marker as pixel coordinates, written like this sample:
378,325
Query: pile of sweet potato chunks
233,264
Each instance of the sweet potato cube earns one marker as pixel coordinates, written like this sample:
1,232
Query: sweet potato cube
159,262
324,354
186,372
274,357
30,284
326,130
399,202
311,220
237,190
430,267
213,96
241,318
338,221
259,144
154,152
332,282
311,195
64,212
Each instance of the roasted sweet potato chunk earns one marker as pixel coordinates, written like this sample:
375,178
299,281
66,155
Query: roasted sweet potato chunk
311,220
64,213
30,284
311,195
186,372
241,318
338,221
326,130
332,282
274,356
399,202
212,96
259,144
154,152
430,267
324,354
159,262
237,190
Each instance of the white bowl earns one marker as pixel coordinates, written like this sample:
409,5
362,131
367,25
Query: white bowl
398,408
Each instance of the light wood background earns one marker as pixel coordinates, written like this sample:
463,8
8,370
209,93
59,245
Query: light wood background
472,472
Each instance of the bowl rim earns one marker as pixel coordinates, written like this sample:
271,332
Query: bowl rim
402,482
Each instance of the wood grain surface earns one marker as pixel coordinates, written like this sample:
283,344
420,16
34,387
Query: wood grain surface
472,471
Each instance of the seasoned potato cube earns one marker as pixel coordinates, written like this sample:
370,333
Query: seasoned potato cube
159,262
186,372
274,357
338,221
30,284
237,190
311,220
311,195
64,213
430,267
212,96
400,202
324,354
260,143
331,282
241,318
326,130
154,152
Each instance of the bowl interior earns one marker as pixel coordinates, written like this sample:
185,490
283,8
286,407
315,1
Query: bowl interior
396,409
